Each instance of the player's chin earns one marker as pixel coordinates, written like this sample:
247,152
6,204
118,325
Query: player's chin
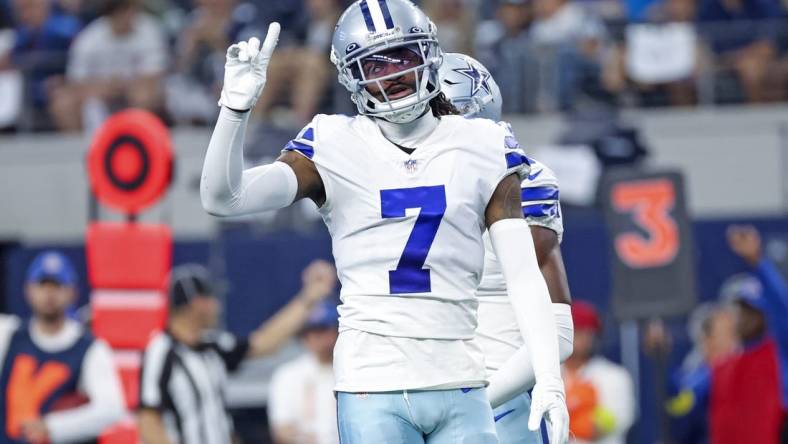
396,95
401,94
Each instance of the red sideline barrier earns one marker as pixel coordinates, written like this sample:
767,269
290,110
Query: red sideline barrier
129,364
128,255
126,319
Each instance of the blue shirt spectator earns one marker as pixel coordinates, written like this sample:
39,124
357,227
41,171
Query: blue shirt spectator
771,301
729,25
6,20
42,42
775,303
712,330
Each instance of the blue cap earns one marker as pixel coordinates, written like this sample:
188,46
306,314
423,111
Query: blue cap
54,266
744,288
324,315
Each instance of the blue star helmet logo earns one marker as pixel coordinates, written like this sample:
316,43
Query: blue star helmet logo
478,78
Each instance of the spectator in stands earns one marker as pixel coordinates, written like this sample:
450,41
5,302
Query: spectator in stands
117,61
302,72
301,405
85,10
712,328
663,58
600,395
43,38
503,46
185,368
201,46
5,14
574,52
456,23
558,22
748,398
742,34
59,383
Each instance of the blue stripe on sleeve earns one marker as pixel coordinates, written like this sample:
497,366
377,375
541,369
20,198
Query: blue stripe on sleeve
540,210
539,193
384,8
302,148
309,135
367,16
514,159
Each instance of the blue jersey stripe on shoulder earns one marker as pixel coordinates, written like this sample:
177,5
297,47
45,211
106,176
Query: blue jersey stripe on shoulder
514,159
541,210
384,8
302,148
539,193
309,135
367,16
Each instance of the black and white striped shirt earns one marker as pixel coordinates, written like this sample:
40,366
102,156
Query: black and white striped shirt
186,385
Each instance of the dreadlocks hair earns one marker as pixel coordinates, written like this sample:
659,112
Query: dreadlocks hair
441,106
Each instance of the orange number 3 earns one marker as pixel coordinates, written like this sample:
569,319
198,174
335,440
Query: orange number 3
650,203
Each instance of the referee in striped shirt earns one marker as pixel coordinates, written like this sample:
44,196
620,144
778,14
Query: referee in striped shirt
185,368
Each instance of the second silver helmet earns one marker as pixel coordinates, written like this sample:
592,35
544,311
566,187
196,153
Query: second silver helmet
470,87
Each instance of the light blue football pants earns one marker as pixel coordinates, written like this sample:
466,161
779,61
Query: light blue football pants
457,416
511,422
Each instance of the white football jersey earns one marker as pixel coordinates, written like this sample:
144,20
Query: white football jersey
498,333
407,239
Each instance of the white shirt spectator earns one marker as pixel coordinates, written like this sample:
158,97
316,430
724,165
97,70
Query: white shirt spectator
615,393
302,398
661,53
100,53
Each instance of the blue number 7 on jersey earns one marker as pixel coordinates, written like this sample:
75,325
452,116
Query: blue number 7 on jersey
409,277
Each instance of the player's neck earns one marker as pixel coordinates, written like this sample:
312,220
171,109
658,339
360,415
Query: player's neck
574,363
410,134
184,330
49,326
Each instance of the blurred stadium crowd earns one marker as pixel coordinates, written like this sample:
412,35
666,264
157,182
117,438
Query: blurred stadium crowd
66,64
720,374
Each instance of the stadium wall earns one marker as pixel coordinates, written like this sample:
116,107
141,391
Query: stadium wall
734,159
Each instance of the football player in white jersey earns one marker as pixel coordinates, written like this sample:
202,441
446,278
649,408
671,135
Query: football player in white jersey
471,88
406,191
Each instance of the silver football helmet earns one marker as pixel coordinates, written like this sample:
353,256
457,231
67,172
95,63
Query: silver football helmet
470,87
377,41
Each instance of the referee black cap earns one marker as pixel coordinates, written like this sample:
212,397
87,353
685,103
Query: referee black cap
187,282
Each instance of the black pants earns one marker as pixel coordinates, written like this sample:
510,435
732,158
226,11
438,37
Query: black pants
784,430
251,425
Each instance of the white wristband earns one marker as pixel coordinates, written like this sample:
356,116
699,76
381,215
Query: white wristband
565,329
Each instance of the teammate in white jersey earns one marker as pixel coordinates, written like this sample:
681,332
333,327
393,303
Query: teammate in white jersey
471,88
406,191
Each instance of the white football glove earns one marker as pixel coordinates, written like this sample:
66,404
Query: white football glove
548,400
245,70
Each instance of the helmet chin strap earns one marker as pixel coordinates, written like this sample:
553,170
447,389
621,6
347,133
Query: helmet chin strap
409,133
406,116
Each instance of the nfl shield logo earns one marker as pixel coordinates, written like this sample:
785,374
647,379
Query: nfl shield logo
410,165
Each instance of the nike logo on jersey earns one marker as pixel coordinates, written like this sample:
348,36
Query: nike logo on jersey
534,175
498,417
